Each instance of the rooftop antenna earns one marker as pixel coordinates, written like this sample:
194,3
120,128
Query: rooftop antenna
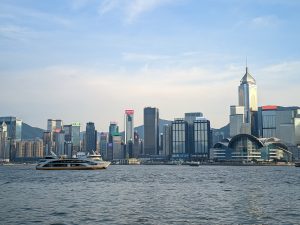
246,65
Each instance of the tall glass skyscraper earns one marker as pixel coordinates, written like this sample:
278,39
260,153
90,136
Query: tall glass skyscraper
129,125
14,127
248,95
90,138
151,131
202,140
75,139
53,125
113,130
179,139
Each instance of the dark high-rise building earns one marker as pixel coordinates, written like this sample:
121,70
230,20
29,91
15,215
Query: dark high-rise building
75,137
59,141
202,139
151,131
179,139
190,118
47,142
90,138
103,145
68,132
137,146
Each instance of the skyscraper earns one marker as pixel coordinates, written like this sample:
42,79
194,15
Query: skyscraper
103,144
4,143
47,142
202,139
248,95
151,131
91,138
59,142
75,137
166,148
190,118
137,146
179,139
68,132
113,129
53,125
236,120
14,127
129,125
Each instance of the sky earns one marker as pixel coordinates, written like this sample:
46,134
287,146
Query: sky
89,60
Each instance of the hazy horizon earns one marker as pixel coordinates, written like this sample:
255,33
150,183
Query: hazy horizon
89,60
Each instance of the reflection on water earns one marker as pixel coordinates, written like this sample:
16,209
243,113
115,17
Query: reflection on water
151,195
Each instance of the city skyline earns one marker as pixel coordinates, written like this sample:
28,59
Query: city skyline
91,60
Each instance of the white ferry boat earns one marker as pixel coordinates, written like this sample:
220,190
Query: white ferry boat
81,162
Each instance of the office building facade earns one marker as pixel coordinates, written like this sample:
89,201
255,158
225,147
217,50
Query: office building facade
14,127
129,125
103,144
201,139
248,96
75,137
166,140
4,143
54,125
113,129
151,131
90,138
179,139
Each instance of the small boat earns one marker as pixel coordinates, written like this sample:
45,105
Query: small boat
297,164
194,163
88,162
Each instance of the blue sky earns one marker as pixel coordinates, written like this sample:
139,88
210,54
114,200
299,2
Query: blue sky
89,60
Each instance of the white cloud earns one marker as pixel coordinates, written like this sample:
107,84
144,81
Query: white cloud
265,21
132,8
108,5
79,4
137,7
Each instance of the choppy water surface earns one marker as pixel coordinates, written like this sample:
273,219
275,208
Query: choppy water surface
151,195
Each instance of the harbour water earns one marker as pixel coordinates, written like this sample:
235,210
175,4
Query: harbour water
141,194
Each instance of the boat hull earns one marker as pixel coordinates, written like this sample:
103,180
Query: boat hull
71,168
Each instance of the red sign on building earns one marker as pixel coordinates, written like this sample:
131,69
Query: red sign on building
269,107
129,112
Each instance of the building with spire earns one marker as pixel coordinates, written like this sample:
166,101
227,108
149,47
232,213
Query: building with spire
243,117
248,95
